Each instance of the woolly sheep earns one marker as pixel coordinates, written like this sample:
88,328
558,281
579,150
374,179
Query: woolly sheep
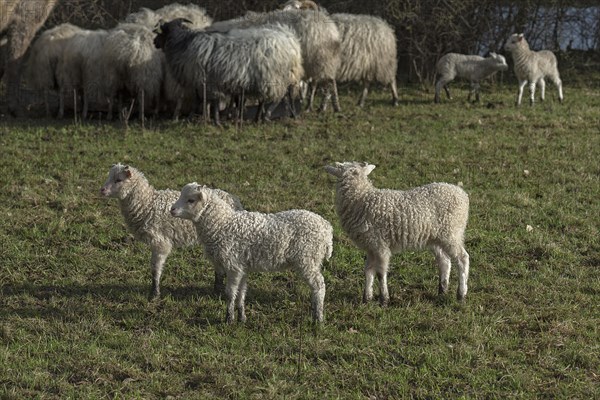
319,41
151,18
383,222
44,56
240,242
471,67
533,66
262,61
368,49
146,214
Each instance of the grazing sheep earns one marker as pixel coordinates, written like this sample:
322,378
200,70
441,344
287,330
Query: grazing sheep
19,21
533,67
368,49
79,68
262,61
473,68
44,56
146,213
240,242
383,222
131,62
319,41
150,18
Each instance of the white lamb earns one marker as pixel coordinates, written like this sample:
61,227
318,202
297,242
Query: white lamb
383,222
146,213
240,242
473,68
533,67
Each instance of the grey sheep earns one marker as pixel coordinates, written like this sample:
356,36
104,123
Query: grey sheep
533,66
319,39
151,18
240,242
262,61
147,216
383,222
471,67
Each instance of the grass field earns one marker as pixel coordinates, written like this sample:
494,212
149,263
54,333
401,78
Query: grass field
75,321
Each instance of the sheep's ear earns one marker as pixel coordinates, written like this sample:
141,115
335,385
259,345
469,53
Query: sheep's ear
494,55
369,168
335,171
521,36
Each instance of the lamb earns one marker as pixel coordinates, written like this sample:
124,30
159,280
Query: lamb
319,41
146,214
471,67
240,242
368,49
263,61
150,18
44,56
384,221
533,66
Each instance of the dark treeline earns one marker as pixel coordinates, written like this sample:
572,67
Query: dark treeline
425,29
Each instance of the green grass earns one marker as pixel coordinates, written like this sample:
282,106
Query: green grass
74,317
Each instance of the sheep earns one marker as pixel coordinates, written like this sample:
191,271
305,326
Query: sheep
130,61
44,56
319,40
240,242
262,61
150,18
79,68
368,49
471,67
383,222
533,66
19,21
146,214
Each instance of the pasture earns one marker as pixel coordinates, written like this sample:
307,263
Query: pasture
75,321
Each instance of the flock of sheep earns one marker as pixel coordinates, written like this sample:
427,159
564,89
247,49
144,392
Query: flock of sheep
177,59
379,221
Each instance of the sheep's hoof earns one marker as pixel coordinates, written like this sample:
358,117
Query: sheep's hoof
154,296
395,102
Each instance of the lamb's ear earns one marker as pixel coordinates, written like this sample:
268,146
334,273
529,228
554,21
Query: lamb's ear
521,36
494,55
335,171
369,168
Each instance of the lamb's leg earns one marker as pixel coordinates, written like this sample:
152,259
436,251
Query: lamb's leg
531,93
336,98
159,256
219,283
462,261
520,94
444,265
326,98
369,278
542,89
382,270
315,280
231,290
241,299
363,95
441,83
558,84
395,99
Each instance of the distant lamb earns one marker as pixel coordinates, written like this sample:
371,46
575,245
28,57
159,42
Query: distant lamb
240,242
383,222
146,213
473,68
533,67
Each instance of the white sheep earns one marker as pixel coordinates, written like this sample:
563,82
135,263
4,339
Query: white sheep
383,222
240,242
471,67
263,61
533,66
147,216
150,18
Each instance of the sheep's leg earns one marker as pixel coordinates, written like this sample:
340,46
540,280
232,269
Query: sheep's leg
532,92
336,99
159,256
558,84
315,280
382,270
231,290
520,94
289,102
474,90
241,299
326,98
109,113
369,278
178,105
47,103
260,110
542,89
272,108
311,98
441,83
395,99
363,95
444,266
61,104
84,110
462,260
219,284
141,101
215,110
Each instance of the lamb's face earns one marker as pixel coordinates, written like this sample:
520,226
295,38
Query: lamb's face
501,64
118,176
514,42
191,202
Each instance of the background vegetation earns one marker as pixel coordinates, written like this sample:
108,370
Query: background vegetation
74,315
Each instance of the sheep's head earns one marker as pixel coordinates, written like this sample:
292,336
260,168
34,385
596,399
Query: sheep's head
351,169
299,5
191,202
515,41
163,29
501,64
118,178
